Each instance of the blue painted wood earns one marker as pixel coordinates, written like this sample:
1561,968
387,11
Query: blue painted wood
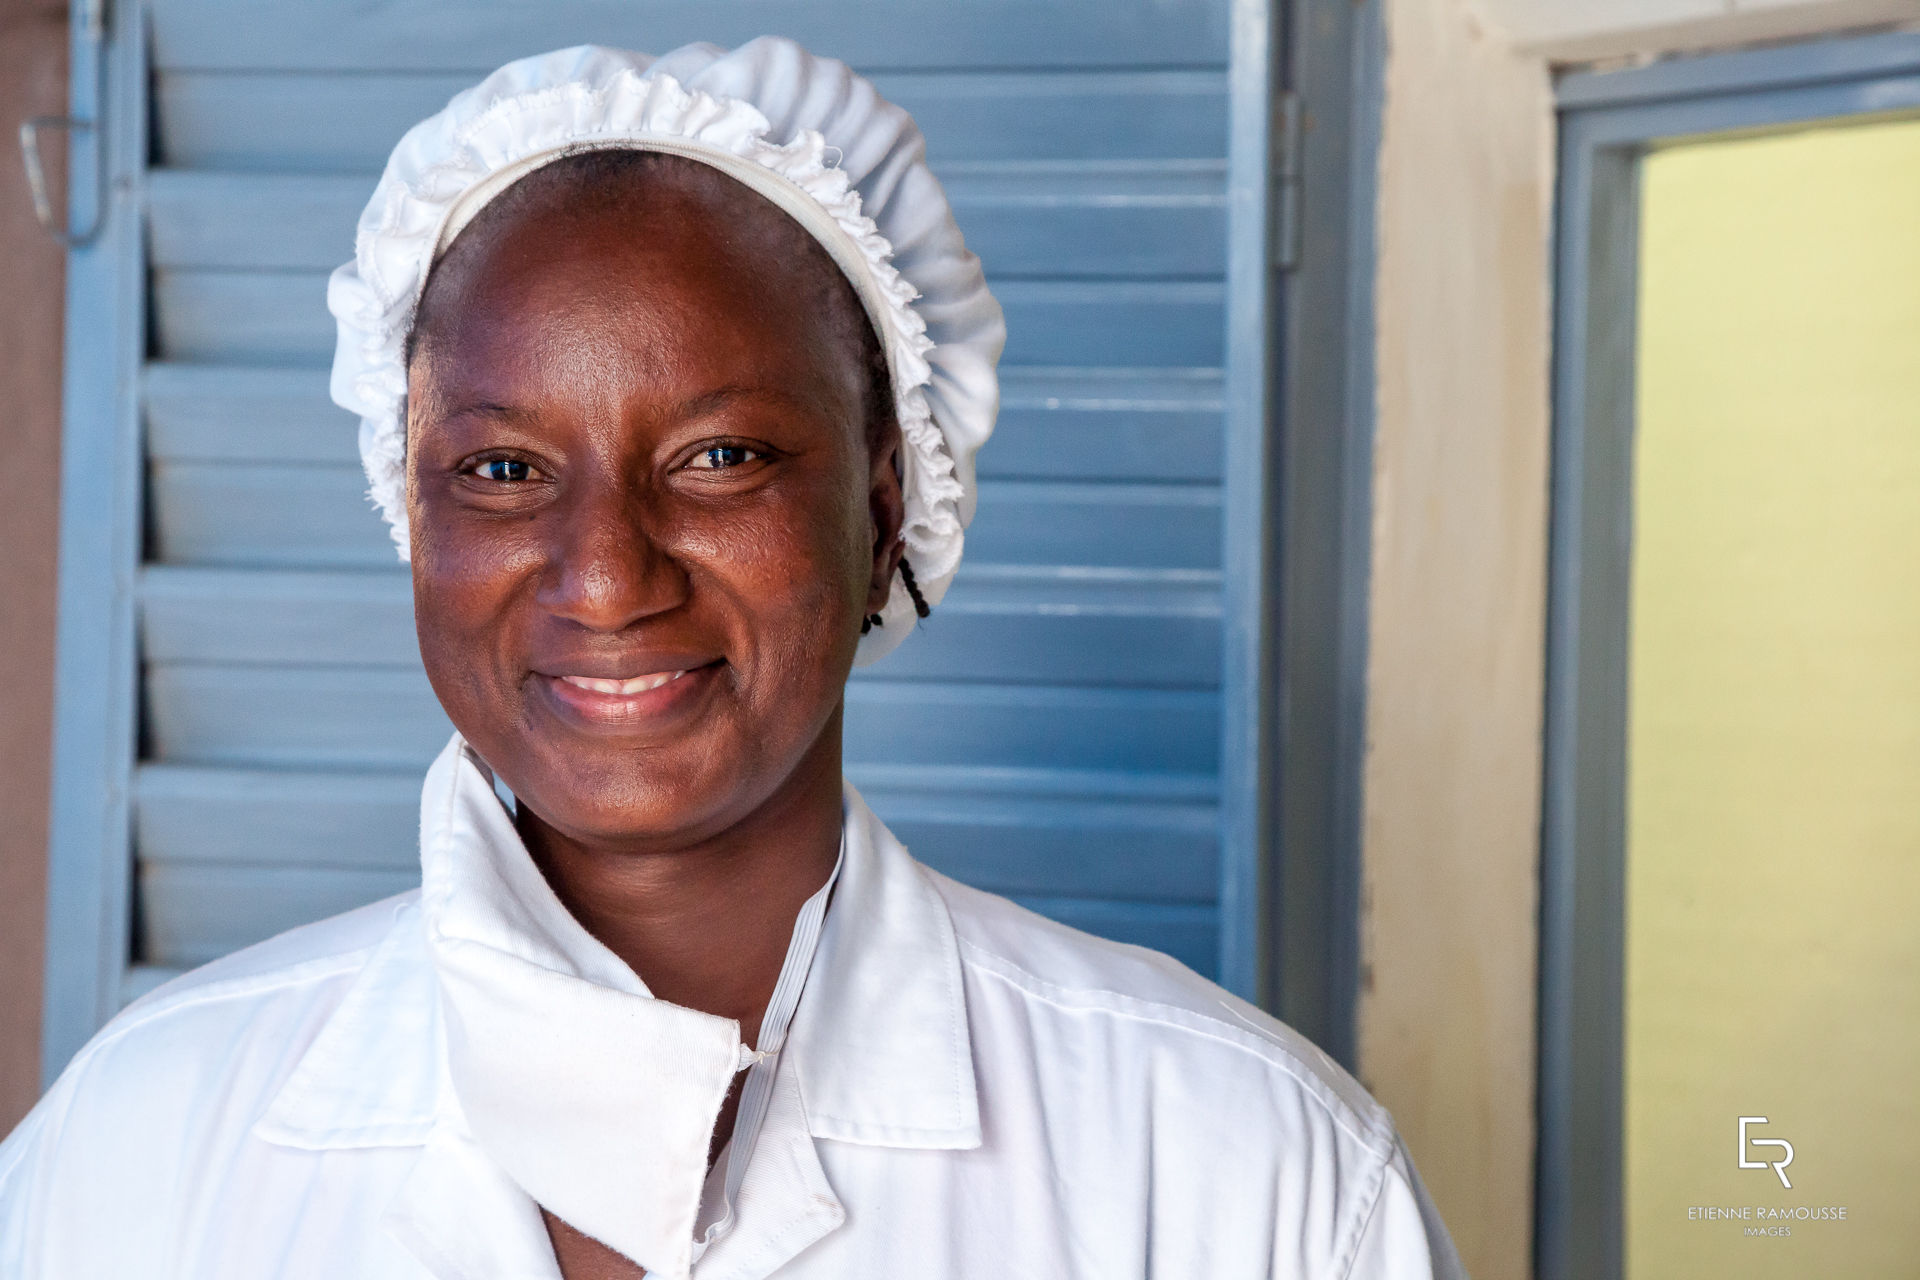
1139,730
361,818
333,717
1051,114
233,413
293,717
1027,220
192,912
1583,794
1107,424
261,221
416,35
1323,524
1247,705
1054,780
1138,323
1055,423
280,318
319,516
88,893
1634,123
1094,221
1770,70
1154,114
1118,850
242,317
1167,526
346,124
265,514
267,617
1058,842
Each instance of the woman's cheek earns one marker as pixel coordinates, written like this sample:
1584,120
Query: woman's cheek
464,612
764,556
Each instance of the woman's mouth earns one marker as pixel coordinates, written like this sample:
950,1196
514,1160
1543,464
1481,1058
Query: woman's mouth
637,684
642,700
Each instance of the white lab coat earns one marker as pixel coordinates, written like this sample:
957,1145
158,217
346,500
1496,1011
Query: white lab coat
967,1090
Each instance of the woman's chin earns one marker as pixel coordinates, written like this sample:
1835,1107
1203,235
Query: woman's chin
606,787
589,802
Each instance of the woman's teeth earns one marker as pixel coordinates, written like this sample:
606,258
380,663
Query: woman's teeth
639,684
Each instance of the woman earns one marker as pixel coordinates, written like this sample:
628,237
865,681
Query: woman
671,373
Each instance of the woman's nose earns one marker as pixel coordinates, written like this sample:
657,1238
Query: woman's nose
606,567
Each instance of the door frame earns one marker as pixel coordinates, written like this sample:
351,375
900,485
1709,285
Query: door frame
1306,89
1326,112
96,665
1607,122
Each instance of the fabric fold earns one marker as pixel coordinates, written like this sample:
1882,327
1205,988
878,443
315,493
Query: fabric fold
596,1098
598,1103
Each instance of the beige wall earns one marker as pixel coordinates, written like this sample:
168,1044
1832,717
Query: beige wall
1446,1019
1584,30
33,81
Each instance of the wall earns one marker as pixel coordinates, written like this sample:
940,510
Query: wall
1584,30
1451,810
1772,820
33,81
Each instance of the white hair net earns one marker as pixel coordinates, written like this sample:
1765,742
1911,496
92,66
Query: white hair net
802,130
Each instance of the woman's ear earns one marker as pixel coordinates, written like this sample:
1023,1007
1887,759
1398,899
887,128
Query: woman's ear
887,512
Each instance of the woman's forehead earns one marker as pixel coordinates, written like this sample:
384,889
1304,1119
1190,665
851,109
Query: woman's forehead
637,265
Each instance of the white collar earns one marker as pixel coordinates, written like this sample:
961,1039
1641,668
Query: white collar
396,1060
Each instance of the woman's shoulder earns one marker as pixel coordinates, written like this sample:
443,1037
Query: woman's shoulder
1149,1005
168,1094
205,1046
1159,1059
288,962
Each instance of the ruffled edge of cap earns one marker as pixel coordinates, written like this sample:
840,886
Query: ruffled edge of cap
374,298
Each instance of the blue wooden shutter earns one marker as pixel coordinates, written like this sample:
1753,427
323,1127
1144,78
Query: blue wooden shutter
1055,731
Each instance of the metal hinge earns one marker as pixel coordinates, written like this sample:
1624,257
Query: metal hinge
1286,132
91,17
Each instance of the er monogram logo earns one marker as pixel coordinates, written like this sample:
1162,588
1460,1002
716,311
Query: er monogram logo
1778,1166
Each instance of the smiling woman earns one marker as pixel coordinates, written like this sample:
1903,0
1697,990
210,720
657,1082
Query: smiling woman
674,422
652,500
652,497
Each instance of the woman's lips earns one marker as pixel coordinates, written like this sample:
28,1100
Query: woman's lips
637,684
627,701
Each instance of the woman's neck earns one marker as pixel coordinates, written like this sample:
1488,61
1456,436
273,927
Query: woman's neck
707,926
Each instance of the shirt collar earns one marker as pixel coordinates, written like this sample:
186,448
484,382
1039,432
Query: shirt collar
596,1098
873,1068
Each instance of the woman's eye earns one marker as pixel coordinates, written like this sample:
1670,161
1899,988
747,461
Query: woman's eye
722,456
504,470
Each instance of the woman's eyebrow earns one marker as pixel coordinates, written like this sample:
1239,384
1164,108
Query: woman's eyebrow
718,398
512,414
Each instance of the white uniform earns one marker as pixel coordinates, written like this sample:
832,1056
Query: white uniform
967,1090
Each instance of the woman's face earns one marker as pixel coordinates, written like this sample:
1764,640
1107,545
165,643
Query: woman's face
647,514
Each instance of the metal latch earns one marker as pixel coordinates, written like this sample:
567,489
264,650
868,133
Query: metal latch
1287,129
92,17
